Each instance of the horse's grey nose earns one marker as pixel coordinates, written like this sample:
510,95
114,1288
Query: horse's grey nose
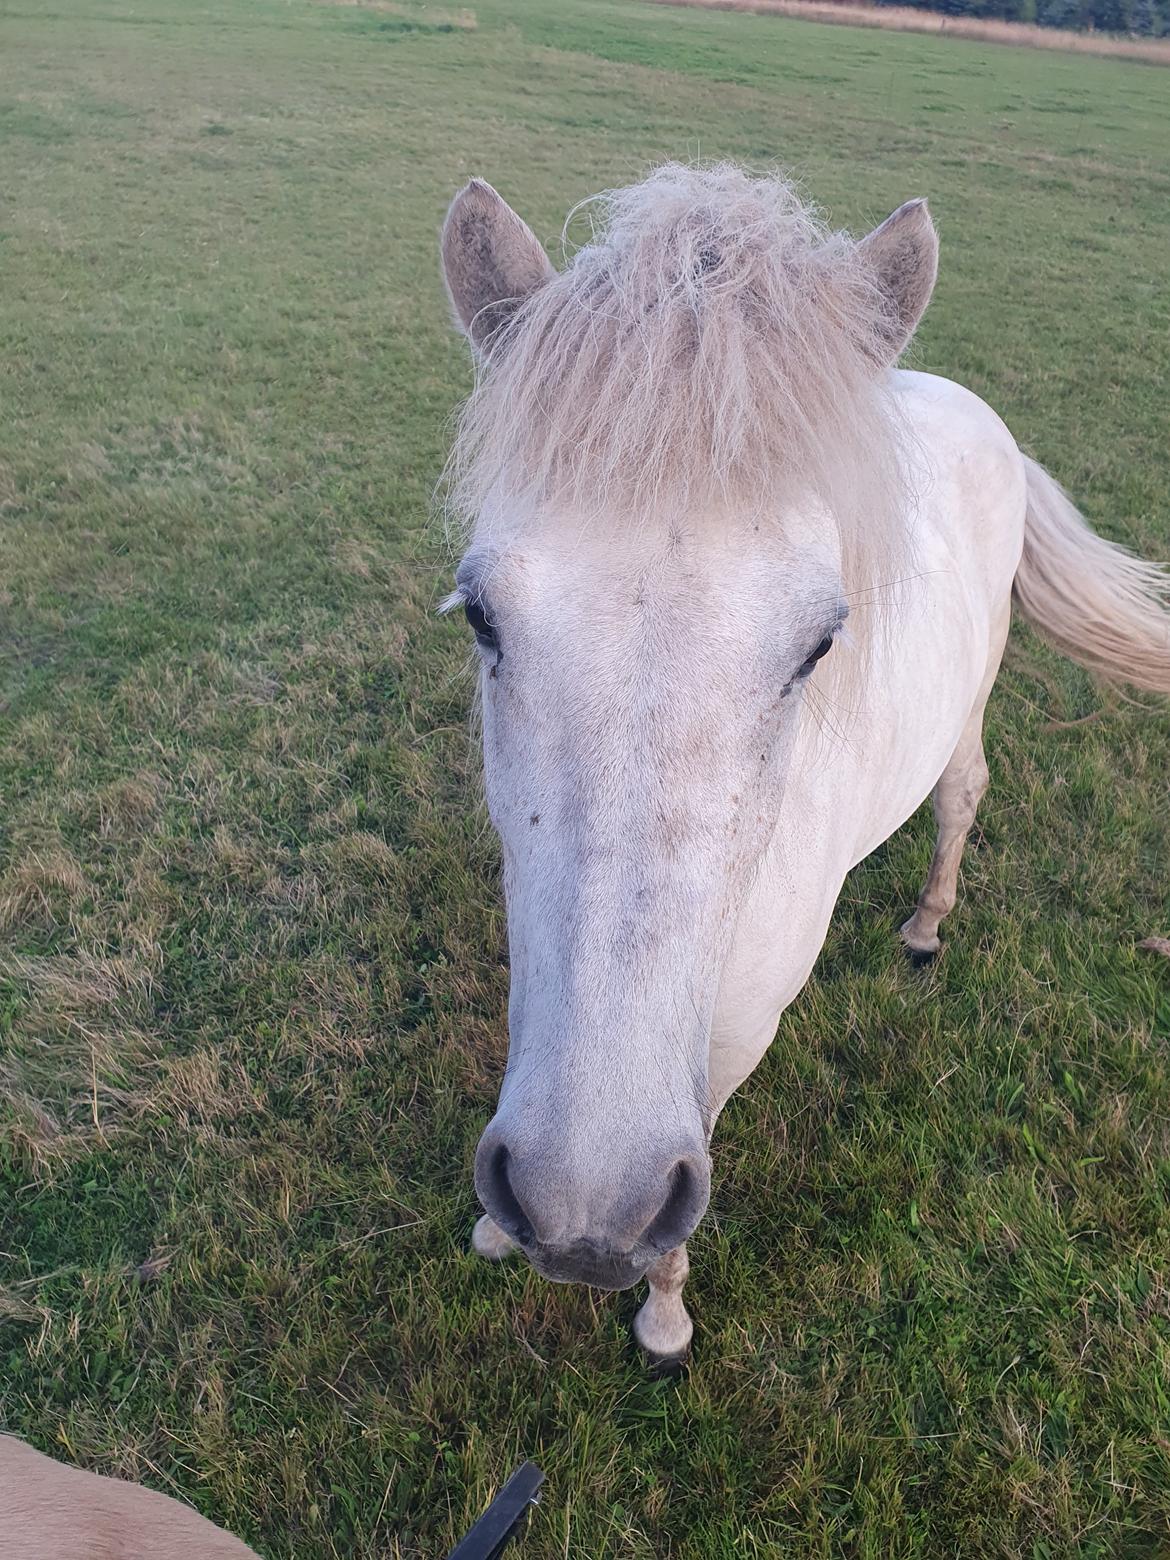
614,1218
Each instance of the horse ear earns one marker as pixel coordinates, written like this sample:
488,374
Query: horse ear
491,262
903,253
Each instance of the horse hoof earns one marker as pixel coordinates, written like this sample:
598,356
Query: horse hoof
666,1367
665,1349
488,1240
921,957
920,952
664,1364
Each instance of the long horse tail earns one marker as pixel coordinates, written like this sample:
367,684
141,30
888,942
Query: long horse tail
1094,601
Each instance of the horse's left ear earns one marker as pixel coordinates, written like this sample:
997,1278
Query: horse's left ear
903,253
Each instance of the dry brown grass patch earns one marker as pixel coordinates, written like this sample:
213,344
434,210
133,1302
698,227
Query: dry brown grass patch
80,1040
43,888
206,1087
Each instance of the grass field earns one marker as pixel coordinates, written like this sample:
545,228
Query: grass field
252,988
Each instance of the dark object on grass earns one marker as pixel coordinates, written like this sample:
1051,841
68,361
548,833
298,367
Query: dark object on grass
502,1519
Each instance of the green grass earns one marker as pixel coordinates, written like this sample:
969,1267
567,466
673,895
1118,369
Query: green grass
252,991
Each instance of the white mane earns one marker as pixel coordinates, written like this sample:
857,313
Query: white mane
713,345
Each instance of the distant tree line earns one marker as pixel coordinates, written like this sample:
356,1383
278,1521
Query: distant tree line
1149,18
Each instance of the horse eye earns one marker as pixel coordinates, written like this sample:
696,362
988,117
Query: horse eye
480,623
822,649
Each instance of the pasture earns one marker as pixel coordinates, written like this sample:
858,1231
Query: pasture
252,973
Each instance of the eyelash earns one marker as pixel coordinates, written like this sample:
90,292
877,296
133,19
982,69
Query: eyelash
805,668
475,610
818,654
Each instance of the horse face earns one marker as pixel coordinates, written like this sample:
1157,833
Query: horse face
641,694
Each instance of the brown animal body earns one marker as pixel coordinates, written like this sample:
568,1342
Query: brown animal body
49,1511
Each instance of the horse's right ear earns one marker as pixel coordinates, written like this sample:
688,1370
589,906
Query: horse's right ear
491,262
903,255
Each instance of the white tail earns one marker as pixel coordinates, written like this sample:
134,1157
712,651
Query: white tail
1093,600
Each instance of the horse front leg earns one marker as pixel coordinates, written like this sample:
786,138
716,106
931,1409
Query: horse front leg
662,1327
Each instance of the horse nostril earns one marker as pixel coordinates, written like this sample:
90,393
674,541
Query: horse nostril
625,1212
497,1196
686,1199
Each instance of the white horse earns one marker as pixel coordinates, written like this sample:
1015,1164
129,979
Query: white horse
740,591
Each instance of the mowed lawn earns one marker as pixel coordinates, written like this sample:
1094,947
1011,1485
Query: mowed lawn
253,978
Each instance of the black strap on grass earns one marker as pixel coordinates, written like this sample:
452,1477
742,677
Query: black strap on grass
502,1520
